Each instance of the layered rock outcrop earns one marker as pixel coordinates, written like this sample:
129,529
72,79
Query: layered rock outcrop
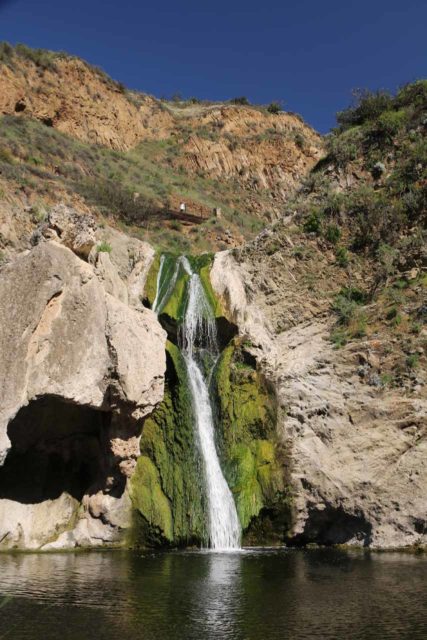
358,452
80,371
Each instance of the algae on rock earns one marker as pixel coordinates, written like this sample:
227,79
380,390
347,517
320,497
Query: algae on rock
252,457
166,488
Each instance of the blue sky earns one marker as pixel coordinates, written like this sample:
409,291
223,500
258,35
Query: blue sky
306,53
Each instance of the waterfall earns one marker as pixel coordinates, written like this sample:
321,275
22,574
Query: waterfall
199,346
165,287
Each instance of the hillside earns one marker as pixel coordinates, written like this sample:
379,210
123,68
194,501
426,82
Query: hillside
70,133
333,300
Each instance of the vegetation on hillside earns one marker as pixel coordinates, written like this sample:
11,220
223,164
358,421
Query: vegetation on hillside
364,208
135,188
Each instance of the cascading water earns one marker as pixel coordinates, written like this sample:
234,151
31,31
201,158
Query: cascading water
165,286
199,346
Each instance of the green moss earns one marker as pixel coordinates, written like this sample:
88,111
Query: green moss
148,498
150,288
168,444
252,457
175,305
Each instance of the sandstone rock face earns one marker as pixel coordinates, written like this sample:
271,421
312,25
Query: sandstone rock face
264,155
259,150
81,102
358,453
79,371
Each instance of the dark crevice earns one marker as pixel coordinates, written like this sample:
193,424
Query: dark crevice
56,447
333,525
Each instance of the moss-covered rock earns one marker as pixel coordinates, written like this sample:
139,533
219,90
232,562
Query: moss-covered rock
150,287
252,457
166,489
202,265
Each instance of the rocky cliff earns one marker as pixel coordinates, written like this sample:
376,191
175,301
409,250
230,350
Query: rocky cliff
82,366
358,449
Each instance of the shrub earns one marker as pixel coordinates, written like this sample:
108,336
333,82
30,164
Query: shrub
344,308
386,379
242,100
274,107
333,203
355,294
6,52
332,233
413,94
388,257
412,361
114,197
345,147
367,105
374,218
339,338
104,247
390,122
299,140
313,223
346,305
342,257
378,170
358,324
391,313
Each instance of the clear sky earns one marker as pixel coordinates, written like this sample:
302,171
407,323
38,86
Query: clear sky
309,54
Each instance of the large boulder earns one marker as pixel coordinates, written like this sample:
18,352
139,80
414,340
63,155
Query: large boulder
79,371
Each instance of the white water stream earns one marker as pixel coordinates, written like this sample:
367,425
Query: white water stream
198,340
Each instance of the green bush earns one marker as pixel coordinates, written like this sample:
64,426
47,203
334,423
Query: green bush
342,257
6,52
242,100
346,305
390,122
344,147
413,94
274,107
299,140
104,247
373,217
313,223
412,361
332,233
367,105
339,338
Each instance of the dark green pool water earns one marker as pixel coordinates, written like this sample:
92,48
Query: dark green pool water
253,595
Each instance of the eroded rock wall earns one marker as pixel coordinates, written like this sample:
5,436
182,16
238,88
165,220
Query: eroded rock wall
70,345
358,453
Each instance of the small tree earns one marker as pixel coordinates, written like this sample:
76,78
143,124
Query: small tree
242,100
274,107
